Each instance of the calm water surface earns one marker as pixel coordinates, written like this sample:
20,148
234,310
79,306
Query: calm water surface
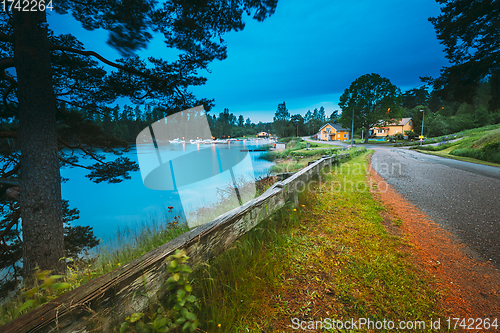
109,208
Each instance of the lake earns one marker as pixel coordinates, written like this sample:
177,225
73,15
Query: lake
109,208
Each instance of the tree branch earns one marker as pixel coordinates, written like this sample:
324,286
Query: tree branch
81,106
12,172
74,164
8,134
92,155
67,144
14,220
9,181
107,62
4,64
8,39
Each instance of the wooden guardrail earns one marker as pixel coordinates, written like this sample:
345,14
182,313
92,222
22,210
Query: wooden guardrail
108,299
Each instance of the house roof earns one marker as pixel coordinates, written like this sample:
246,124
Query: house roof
395,122
334,125
404,121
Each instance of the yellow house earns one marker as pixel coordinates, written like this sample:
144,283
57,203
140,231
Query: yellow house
332,132
393,128
263,135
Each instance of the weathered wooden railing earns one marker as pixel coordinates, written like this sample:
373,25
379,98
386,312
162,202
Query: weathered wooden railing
109,298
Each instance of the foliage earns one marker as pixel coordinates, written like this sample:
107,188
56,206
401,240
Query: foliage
373,99
435,148
178,312
288,139
316,119
129,244
489,152
78,240
44,292
64,75
469,32
399,136
328,257
410,134
281,121
267,156
415,97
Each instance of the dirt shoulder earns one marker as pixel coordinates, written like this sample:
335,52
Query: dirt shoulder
471,287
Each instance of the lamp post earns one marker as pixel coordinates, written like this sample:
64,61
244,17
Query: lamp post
352,130
422,132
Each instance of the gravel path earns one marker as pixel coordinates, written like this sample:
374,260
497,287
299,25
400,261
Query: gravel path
462,197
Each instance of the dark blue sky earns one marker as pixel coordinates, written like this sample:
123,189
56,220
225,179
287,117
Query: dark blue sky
308,52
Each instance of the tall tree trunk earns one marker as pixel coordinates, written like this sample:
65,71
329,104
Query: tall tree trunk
40,188
367,131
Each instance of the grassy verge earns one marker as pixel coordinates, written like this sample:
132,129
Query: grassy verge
298,160
128,245
291,165
297,147
329,257
480,145
446,153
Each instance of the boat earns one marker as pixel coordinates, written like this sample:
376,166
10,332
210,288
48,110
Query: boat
176,141
195,142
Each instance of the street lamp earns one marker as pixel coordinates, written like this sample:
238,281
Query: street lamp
352,131
422,132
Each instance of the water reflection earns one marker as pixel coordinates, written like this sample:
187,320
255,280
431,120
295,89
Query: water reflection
109,207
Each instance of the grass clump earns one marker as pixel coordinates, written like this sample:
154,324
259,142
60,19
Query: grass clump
489,152
129,244
175,313
479,144
328,257
436,148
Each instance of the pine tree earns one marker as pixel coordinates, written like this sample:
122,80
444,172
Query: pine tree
54,71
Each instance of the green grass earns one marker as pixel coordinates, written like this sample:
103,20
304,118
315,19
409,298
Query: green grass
128,245
479,145
291,165
300,158
329,257
314,151
437,148
298,147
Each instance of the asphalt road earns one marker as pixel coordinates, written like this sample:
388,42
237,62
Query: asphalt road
463,197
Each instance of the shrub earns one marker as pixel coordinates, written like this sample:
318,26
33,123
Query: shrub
399,136
267,156
489,152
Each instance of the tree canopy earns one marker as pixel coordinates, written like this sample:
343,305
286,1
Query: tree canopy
51,99
373,98
469,31
281,121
